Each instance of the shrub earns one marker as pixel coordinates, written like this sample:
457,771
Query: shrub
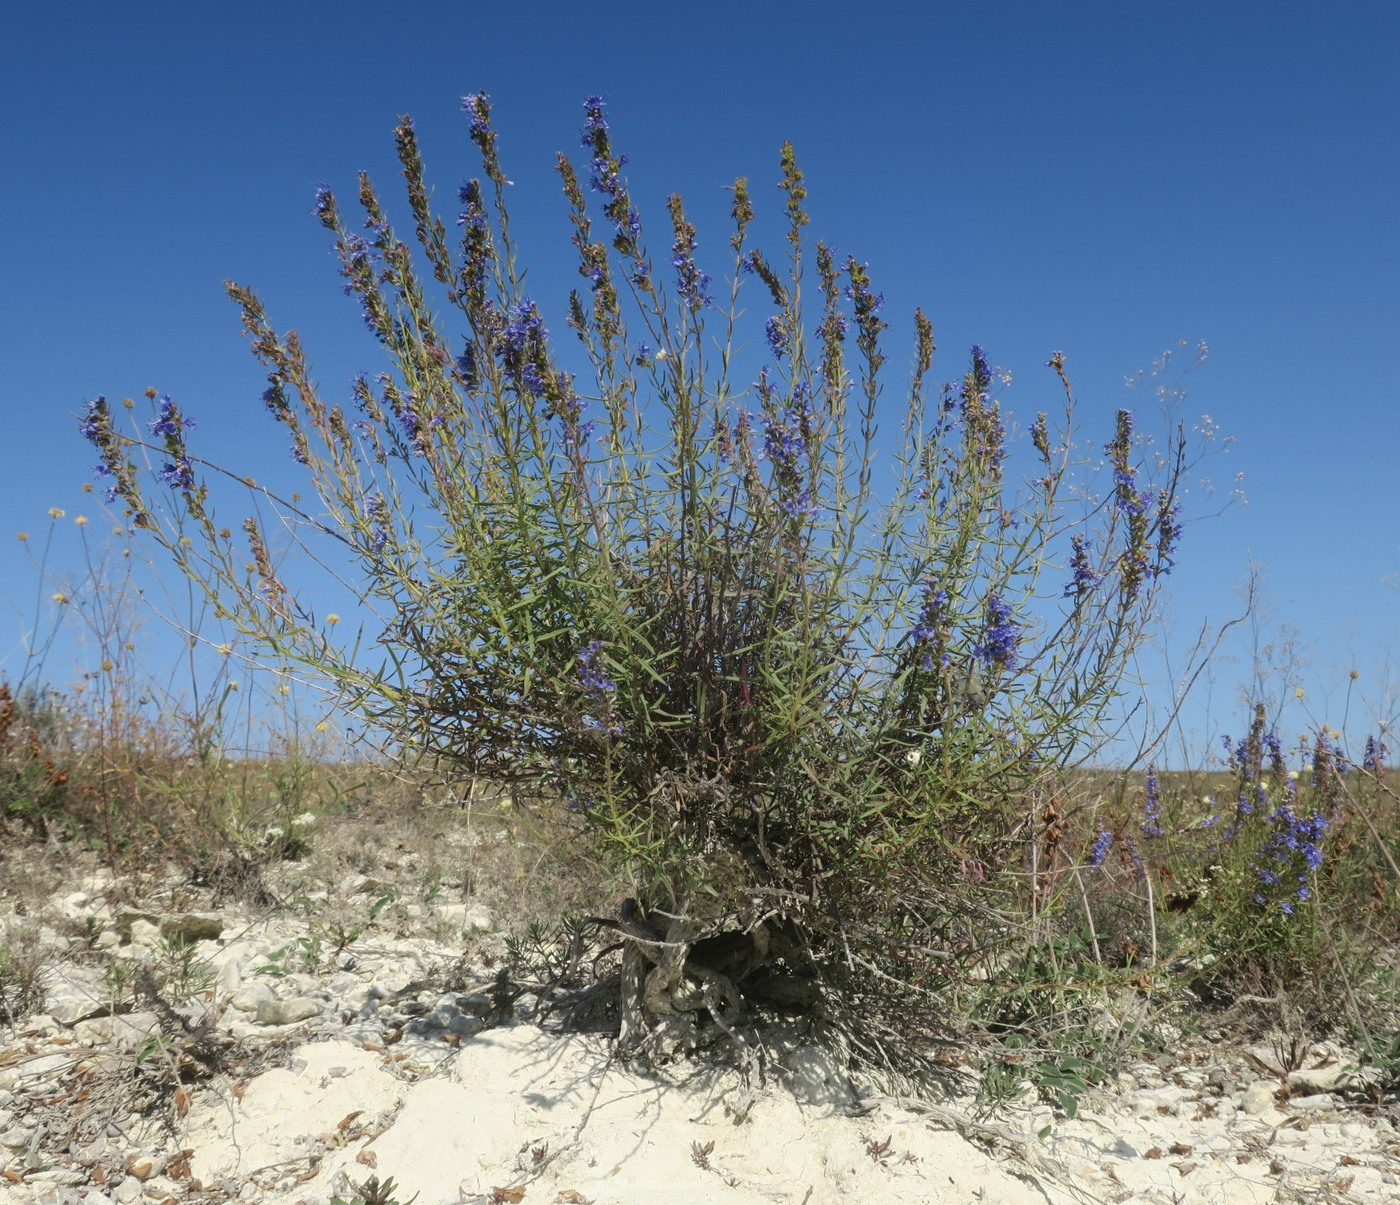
795,686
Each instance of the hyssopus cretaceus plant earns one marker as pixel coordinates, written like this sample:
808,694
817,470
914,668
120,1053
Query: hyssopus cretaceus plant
794,684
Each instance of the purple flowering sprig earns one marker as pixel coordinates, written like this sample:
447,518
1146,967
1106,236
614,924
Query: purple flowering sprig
605,177
866,305
115,465
1374,757
177,471
1152,805
1289,859
930,632
984,433
1001,635
477,107
692,285
379,521
788,434
1099,850
598,688
1085,577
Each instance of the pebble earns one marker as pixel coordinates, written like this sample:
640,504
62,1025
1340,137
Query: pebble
288,1012
1259,1097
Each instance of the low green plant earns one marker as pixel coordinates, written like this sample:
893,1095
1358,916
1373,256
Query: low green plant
373,1192
304,955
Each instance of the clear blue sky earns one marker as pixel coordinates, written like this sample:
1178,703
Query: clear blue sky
1099,178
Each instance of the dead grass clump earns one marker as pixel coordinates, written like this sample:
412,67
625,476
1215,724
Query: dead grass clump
22,964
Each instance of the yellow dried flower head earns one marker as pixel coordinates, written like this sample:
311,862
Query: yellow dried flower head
332,618
223,649
56,512
323,727
59,597
80,520
24,535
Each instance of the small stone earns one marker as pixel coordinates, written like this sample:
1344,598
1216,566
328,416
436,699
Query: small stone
477,1005
1337,1078
465,918
190,928
127,1191
1319,1102
250,996
16,1138
1259,1097
145,933
466,1026
288,1012
127,1031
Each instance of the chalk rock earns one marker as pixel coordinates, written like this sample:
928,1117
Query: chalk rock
249,997
1259,1097
1337,1078
288,1012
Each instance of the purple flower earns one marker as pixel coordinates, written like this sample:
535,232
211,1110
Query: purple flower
477,107
1151,805
1101,846
473,214
532,380
591,671
325,206
377,511
1000,635
169,423
594,123
692,284
1373,759
97,421
525,328
1083,579
178,475
777,336
931,614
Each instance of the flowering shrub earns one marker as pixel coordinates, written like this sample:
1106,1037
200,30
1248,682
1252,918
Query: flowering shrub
794,688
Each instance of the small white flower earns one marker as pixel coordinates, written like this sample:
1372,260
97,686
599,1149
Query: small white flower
913,757
660,355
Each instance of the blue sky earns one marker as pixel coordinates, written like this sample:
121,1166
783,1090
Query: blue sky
1098,178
